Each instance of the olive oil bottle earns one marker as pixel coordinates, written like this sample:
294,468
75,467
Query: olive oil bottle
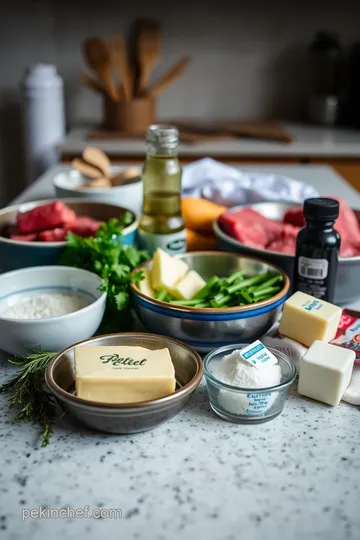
161,223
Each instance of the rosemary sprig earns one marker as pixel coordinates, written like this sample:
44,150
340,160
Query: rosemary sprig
27,391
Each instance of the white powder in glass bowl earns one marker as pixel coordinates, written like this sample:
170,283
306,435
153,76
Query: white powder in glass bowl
233,370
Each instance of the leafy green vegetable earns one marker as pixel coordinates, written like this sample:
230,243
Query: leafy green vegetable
27,391
105,255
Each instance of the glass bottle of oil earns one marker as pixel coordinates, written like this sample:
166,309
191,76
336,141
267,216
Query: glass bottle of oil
161,223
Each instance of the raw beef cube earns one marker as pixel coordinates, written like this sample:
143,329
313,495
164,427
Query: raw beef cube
84,226
294,216
250,227
24,237
253,235
46,216
53,235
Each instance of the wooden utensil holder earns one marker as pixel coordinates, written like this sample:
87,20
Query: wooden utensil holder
131,117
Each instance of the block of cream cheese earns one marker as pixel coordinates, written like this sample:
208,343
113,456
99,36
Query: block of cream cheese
123,374
306,319
325,372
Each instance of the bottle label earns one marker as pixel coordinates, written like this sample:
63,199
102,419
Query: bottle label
313,277
172,243
313,268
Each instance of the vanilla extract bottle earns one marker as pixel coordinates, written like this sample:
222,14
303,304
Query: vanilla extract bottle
317,249
162,224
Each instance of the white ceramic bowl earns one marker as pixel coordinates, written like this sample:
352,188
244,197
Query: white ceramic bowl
19,336
129,196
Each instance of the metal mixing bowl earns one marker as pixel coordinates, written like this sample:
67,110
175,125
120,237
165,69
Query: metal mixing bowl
347,282
129,417
208,328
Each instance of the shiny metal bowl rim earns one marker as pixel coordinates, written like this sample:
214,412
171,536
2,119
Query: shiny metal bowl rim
235,309
227,348
15,208
175,396
236,243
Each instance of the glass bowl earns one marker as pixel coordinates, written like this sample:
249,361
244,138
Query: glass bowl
246,405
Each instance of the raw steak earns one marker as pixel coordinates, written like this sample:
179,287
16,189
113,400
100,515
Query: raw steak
84,226
250,227
253,229
46,216
53,235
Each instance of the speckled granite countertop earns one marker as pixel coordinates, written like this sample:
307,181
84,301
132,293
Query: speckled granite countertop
197,476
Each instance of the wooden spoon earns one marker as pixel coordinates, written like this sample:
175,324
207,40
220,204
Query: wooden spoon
120,62
168,78
98,58
91,83
147,50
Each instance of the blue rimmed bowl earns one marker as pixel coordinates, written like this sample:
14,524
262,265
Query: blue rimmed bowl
15,255
209,328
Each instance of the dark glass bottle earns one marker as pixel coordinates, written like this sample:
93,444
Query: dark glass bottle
317,249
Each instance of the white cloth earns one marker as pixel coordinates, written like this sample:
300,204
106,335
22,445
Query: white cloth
228,186
352,393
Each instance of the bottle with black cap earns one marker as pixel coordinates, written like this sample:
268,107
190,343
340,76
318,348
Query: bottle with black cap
317,249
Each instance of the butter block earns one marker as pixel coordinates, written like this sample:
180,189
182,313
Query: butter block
186,288
166,270
325,372
306,319
123,374
145,285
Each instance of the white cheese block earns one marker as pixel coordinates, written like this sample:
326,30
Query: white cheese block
306,319
145,285
325,372
166,271
191,284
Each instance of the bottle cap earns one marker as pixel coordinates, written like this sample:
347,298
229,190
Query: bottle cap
163,135
321,209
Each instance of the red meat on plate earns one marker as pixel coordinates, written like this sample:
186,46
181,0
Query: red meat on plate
46,216
53,235
24,237
84,226
250,227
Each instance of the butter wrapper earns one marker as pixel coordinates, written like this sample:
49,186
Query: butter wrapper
348,334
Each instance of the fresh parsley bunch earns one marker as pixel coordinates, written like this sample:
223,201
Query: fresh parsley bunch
105,255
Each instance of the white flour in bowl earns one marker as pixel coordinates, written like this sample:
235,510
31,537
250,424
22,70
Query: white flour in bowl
44,305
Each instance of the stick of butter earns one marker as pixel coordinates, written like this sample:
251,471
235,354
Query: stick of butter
306,319
123,374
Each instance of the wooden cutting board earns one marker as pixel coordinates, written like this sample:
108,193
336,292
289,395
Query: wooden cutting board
185,136
267,131
200,132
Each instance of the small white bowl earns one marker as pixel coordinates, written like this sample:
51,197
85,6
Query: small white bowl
20,336
129,196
